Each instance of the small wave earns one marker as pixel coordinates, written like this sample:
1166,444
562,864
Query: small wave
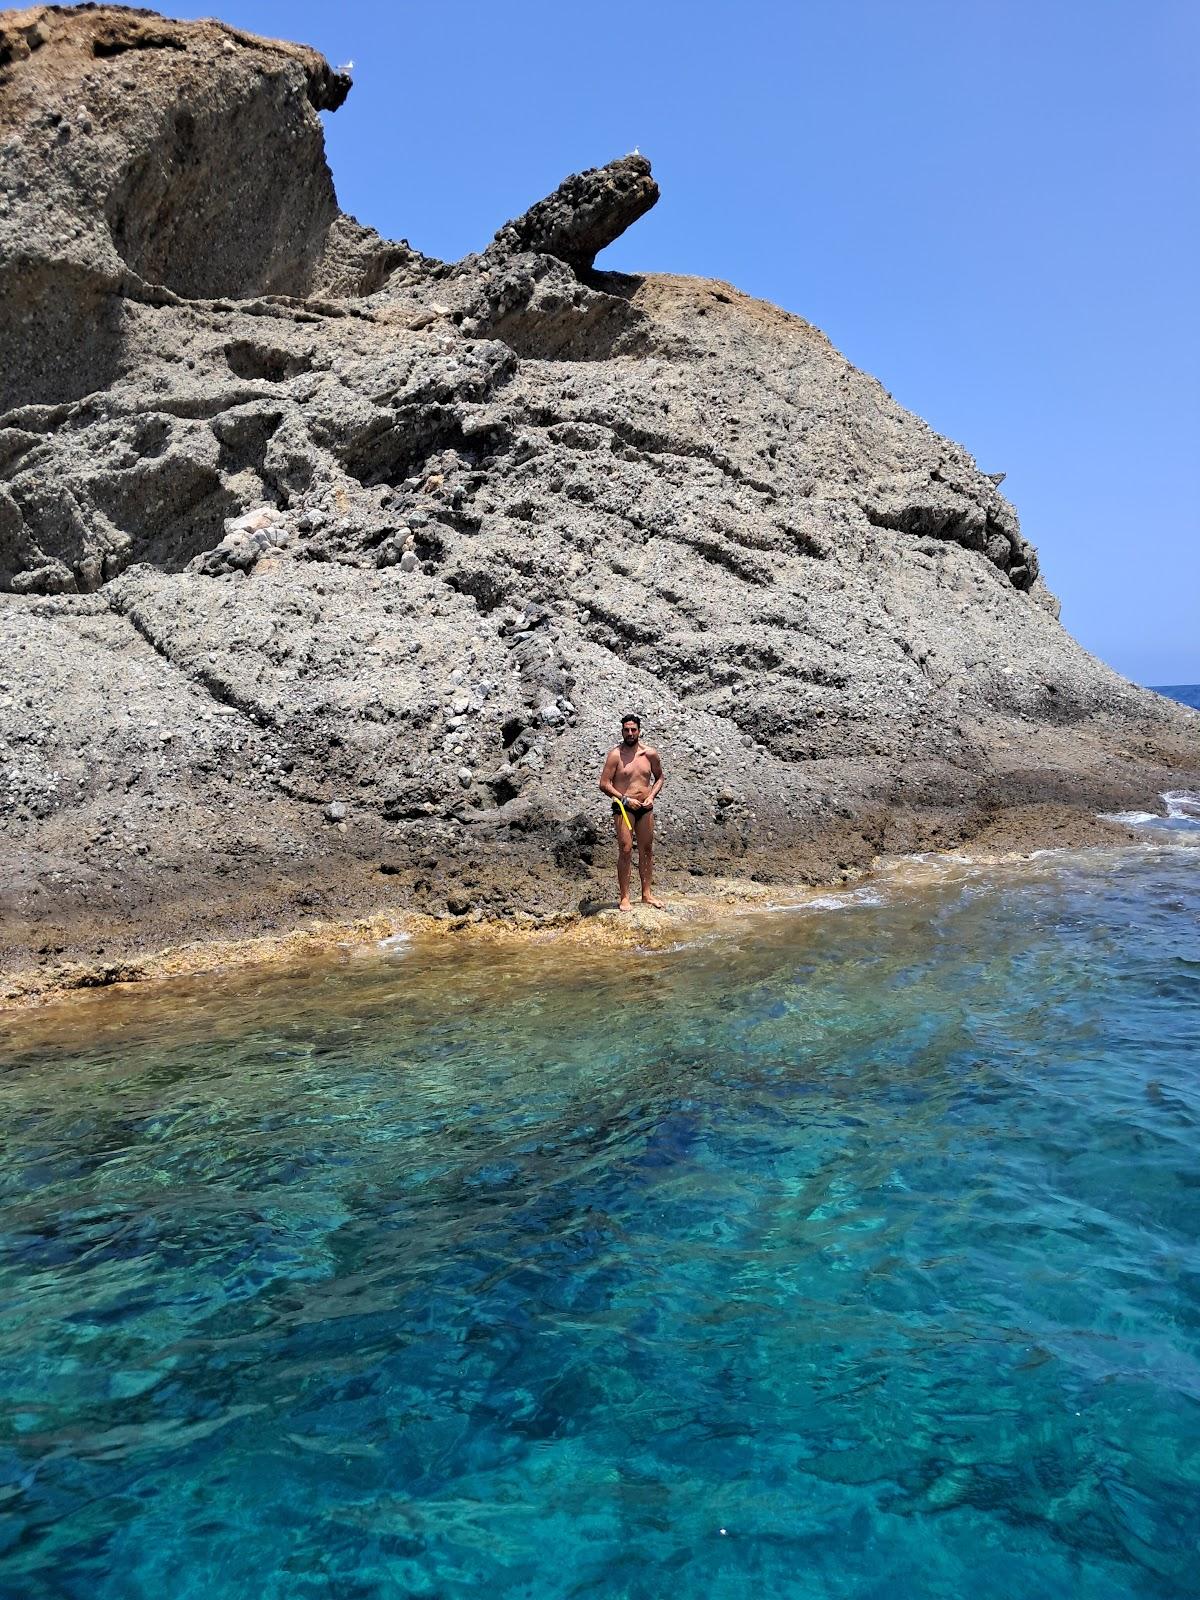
1182,805
834,902
671,949
394,941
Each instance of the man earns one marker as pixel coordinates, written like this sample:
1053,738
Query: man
633,778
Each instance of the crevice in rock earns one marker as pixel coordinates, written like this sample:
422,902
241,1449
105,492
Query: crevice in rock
398,444
612,630
111,43
19,40
951,523
218,692
486,589
244,437
442,414
957,520
584,326
803,543
504,788
718,553
193,408
266,363
170,510
657,444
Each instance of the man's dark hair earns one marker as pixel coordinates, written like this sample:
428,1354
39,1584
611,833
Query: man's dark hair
632,716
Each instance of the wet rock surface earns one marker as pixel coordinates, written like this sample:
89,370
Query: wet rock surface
326,568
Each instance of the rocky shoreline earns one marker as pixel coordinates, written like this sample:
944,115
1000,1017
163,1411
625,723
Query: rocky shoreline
327,568
692,905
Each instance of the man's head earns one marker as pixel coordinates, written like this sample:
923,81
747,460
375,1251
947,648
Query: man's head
631,728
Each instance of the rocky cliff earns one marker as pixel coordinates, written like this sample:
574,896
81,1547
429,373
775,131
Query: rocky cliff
328,567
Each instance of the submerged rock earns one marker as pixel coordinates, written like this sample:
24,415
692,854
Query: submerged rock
268,481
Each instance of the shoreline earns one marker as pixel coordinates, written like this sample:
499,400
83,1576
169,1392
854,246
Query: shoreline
596,924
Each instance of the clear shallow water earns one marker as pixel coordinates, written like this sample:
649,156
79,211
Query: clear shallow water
852,1254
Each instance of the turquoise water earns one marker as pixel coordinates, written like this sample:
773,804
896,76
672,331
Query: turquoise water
853,1253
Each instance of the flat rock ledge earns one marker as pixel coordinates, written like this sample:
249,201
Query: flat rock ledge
687,915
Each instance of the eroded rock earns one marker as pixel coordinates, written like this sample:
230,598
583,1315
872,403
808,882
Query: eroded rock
289,511
587,211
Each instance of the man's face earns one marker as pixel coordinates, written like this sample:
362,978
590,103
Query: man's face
630,732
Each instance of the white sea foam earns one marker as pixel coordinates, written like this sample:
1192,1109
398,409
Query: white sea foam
394,940
835,902
671,949
1182,805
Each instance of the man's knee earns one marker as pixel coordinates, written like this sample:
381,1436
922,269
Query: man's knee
625,851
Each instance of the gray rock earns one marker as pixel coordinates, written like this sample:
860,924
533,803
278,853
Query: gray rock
237,424
586,212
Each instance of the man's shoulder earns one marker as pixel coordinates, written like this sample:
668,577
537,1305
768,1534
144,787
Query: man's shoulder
651,751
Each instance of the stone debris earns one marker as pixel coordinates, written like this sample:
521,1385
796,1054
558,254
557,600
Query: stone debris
247,538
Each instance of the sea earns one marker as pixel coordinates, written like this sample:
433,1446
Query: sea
849,1250
1187,693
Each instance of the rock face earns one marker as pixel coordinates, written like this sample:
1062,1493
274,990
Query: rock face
328,568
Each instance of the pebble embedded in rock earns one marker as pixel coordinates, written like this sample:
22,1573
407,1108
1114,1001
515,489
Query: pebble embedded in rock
335,811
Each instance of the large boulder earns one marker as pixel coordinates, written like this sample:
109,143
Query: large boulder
293,516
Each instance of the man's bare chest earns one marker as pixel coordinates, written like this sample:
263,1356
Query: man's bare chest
634,768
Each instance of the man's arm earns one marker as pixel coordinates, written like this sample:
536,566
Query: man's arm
656,772
608,773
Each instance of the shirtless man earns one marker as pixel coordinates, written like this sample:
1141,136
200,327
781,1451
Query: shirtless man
633,775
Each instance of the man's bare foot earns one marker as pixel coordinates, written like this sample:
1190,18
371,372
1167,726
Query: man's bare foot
649,900
624,906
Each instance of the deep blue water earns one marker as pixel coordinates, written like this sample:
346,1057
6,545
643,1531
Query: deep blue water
1188,693
854,1253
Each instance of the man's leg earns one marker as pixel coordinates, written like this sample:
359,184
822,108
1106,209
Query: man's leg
644,823
624,858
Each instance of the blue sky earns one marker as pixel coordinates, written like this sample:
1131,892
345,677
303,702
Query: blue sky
989,204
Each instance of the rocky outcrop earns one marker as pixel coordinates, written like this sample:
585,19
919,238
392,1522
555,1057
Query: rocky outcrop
327,567
583,215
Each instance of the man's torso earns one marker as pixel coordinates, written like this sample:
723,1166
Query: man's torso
634,775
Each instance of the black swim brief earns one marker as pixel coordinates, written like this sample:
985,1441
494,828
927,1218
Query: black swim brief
632,806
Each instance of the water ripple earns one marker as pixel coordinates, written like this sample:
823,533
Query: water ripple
843,1256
